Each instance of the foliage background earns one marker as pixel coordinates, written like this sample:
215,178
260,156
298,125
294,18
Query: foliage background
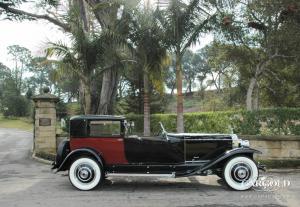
276,121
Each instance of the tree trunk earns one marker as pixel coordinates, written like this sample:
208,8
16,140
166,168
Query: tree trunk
84,15
172,90
108,91
189,87
85,96
215,82
107,18
249,102
256,98
95,94
180,126
146,105
219,83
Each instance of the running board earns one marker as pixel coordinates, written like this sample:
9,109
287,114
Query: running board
140,175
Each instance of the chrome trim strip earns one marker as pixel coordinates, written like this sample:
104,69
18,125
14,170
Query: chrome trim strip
195,134
207,139
141,175
191,161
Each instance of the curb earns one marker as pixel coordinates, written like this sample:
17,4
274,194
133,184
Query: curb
41,160
289,170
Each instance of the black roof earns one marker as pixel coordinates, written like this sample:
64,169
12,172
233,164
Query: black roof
98,117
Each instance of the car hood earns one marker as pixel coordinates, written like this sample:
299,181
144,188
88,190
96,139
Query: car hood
196,134
200,135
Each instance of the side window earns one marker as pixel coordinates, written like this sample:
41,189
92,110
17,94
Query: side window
104,128
77,128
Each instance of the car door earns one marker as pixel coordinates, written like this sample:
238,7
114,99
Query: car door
153,150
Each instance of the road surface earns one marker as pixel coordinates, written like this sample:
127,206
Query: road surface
25,182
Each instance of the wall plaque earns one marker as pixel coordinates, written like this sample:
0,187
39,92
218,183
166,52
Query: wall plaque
45,122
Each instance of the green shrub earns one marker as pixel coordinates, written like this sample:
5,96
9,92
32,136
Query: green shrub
15,105
245,122
277,121
73,109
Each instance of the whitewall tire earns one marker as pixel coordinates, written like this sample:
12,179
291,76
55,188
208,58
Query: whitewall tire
240,173
85,173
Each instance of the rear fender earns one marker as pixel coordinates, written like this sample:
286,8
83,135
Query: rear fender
63,150
65,165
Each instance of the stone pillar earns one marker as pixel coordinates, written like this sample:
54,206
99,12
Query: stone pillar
45,124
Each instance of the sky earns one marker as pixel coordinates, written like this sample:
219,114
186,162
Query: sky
35,35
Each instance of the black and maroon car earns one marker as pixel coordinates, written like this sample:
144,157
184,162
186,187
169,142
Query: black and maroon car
101,146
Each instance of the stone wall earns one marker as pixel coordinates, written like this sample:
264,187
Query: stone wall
277,151
45,124
275,147
44,135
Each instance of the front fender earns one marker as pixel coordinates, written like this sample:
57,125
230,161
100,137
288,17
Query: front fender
227,154
230,153
79,152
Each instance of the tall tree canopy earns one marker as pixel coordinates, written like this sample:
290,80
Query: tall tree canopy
265,29
183,23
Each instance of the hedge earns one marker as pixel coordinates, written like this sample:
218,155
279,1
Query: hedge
275,121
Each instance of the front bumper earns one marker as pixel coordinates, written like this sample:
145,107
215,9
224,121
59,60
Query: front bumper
261,167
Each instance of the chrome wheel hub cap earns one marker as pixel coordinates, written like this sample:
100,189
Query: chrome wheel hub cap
241,172
85,173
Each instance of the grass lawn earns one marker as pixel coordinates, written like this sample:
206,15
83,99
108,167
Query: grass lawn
16,122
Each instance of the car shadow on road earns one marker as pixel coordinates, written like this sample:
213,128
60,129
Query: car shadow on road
151,184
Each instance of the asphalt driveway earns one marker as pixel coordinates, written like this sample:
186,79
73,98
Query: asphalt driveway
26,182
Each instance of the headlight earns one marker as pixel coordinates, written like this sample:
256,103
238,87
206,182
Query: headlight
236,142
244,143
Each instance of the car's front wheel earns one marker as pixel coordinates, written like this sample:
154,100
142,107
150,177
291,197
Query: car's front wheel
240,173
85,173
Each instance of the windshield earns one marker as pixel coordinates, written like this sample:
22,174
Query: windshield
162,128
129,128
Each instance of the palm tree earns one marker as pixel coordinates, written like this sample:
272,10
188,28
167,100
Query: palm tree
87,56
151,55
73,62
183,24
113,15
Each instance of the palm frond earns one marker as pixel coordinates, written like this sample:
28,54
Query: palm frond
193,38
58,49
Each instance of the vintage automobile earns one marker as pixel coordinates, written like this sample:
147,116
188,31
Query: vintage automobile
101,146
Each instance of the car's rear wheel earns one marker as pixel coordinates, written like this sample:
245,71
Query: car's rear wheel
240,173
85,173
